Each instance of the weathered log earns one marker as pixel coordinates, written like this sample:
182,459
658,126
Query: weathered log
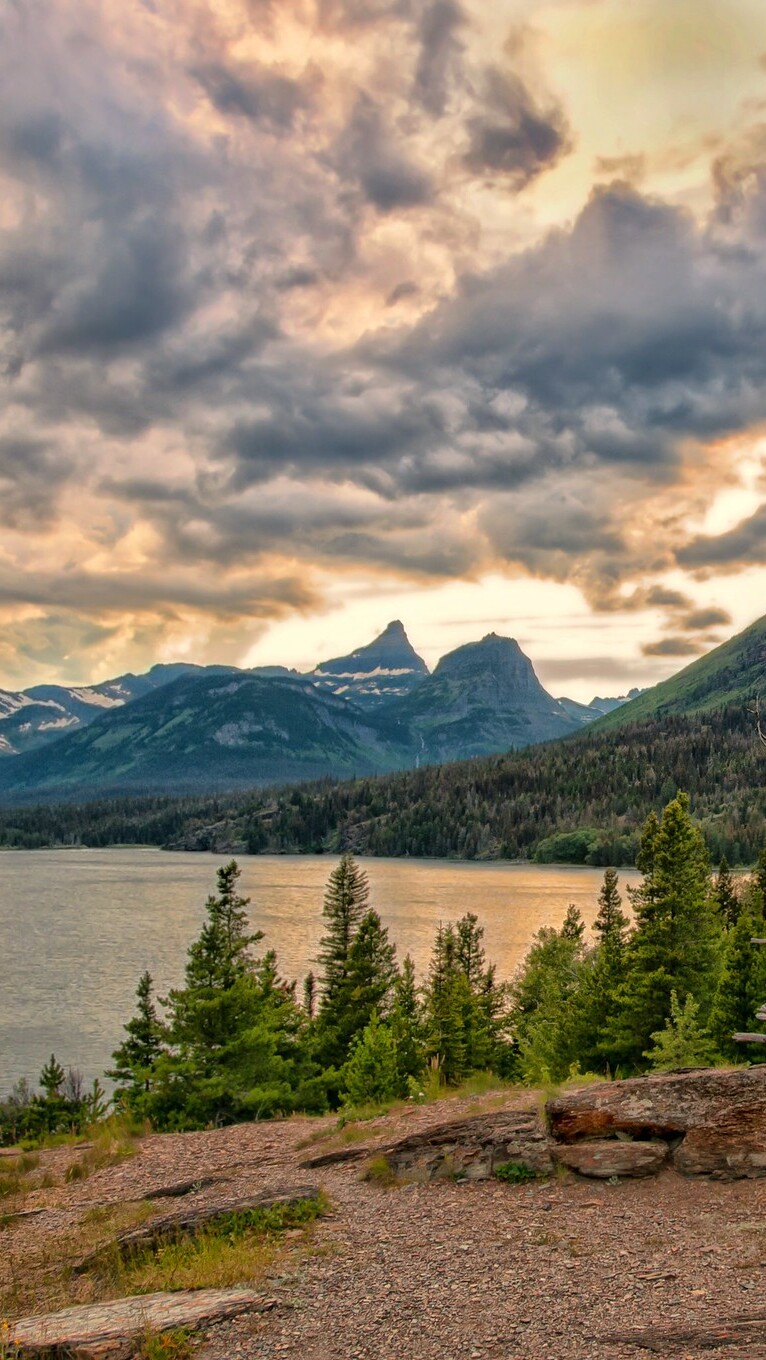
751,1038
188,1220
109,1331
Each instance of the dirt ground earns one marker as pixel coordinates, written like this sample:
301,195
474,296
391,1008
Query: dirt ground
539,1271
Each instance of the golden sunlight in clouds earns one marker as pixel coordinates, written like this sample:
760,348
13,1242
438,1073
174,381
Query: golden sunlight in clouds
320,313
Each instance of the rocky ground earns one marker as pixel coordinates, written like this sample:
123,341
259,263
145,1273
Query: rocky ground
541,1271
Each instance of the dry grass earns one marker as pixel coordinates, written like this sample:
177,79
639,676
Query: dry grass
42,1280
111,1143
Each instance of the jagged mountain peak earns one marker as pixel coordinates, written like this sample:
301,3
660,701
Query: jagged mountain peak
386,668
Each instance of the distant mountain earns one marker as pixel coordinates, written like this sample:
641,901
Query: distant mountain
735,672
211,732
385,669
481,699
588,713
34,717
233,728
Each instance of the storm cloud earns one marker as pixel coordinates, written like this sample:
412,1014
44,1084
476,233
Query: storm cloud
271,306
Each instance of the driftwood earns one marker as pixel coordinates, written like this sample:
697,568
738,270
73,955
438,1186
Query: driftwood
748,1330
109,1331
188,1220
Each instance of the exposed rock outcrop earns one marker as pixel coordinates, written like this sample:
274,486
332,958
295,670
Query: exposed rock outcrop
603,1158
472,1148
714,1120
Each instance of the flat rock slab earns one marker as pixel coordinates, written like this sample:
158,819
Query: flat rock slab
472,1148
743,1335
109,1330
335,1157
189,1219
603,1158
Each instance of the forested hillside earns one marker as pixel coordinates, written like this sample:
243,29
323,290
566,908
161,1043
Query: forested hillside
582,800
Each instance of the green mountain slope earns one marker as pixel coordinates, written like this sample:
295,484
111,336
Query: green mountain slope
582,800
733,673
214,732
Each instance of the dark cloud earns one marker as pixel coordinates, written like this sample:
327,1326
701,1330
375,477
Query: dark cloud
511,136
663,598
744,544
257,93
700,619
32,476
178,289
672,646
372,154
440,53
402,290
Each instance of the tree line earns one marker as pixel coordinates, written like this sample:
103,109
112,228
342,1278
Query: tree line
669,987
582,801
666,987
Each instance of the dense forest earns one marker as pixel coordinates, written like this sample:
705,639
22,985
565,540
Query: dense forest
581,800
237,1041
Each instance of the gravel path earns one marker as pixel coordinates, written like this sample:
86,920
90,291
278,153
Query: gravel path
453,1270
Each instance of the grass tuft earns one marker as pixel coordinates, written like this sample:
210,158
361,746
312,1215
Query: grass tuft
236,1249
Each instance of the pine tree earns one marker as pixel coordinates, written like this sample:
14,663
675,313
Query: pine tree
675,941
611,923
542,994
367,986
447,993
594,1003
136,1058
759,877
370,1076
52,1078
742,985
725,894
345,903
682,1042
309,994
407,1027
234,1030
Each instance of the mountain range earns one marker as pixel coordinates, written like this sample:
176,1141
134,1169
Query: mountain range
185,728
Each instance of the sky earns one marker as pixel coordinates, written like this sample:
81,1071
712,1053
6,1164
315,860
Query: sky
320,313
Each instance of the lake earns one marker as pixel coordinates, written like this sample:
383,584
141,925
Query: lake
77,927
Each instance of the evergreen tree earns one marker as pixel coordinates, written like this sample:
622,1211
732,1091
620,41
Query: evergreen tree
370,1076
136,1058
52,1078
675,941
611,924
725,894
234,1030
367,986
682,1042
345,903
742,985
447,993
542,1011
759,877
310,995
407,1028
595,1001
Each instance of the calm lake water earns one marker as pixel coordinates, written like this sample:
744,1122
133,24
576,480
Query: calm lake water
77,927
